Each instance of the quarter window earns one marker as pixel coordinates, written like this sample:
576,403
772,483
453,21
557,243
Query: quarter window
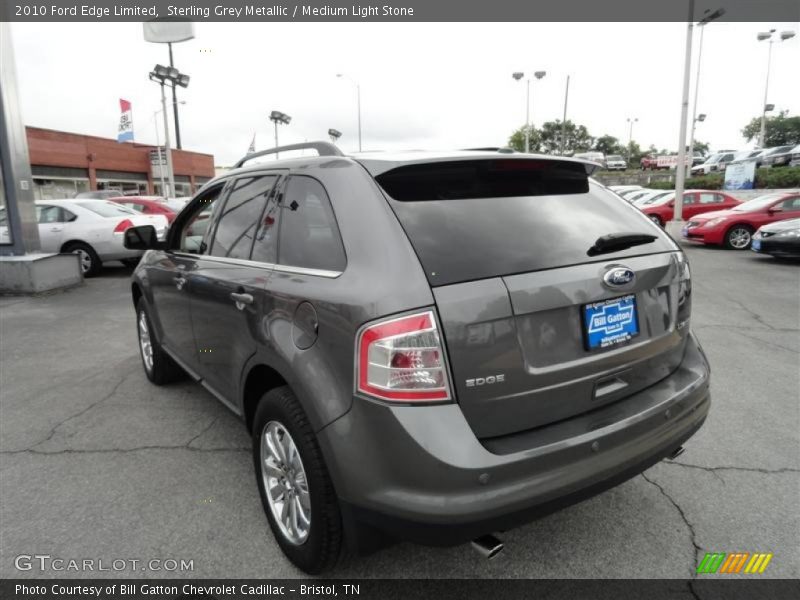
309,235
240,216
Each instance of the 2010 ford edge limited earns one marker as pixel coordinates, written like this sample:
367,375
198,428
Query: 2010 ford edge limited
431,347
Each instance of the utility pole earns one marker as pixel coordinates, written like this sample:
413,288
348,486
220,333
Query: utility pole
564,121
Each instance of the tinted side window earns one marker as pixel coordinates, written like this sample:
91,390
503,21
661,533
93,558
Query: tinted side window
194,224
48,214
309,234
233,237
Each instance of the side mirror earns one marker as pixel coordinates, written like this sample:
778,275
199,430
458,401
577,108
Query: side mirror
672,203
143,237
775,209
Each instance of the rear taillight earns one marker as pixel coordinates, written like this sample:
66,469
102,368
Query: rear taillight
402,360
123,225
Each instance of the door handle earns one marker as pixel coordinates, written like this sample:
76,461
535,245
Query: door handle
241,299
55,229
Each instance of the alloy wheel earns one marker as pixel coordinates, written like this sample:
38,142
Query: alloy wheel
145,344
739,238
85,258
285,483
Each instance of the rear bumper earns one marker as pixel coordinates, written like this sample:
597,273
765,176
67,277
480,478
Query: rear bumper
114,249
420,474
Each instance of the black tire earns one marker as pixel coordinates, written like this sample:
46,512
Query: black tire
323,546
739,237
163,369
91,264
656,219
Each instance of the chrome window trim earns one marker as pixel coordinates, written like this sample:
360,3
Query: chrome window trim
243,262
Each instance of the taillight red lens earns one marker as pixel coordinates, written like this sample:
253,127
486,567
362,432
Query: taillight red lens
123,225
402,360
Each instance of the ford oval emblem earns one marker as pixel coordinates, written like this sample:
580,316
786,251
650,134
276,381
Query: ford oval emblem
619,277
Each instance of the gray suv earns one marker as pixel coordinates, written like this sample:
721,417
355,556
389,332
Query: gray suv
430,347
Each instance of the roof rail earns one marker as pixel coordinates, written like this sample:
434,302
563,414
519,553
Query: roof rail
323,148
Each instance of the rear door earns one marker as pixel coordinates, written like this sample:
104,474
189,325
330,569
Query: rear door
537,327
51,226
227,288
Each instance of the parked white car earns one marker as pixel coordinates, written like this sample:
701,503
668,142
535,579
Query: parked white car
93,229
616,162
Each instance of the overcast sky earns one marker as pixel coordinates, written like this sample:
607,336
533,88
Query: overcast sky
432,86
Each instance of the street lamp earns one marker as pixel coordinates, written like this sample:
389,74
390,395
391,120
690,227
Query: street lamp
767,35
161,75
335,134
708,18
358,103
158,146
277,117
676,224
630,131
518,75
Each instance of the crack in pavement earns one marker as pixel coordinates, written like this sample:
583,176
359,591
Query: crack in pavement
204,430
732,468
55,428
753,315
689,526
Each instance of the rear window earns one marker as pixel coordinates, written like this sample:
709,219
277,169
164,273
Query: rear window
106,209
472,220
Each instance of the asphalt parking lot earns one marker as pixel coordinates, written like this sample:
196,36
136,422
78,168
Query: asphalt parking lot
95,462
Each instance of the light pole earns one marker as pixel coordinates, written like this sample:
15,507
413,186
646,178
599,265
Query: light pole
563,139
676,224
767,35
518,75
631,120
277,117
358,103
334,134
158,146
161,74
702,25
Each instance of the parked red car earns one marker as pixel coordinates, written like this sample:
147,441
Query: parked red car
734,228
694,202
152,205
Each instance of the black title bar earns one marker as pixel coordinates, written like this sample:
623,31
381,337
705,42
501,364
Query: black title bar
397,10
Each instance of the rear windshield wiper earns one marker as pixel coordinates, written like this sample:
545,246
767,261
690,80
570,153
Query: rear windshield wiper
619,241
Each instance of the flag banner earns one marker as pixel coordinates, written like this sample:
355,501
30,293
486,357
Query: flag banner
125,133
252,147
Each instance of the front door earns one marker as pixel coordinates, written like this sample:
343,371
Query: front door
170,274
228,288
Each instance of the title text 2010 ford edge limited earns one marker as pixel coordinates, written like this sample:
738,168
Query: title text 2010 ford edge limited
431,347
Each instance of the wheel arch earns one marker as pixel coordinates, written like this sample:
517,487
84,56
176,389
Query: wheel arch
257,381
68,243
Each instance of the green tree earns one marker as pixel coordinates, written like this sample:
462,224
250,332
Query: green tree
781,130
547,140
517,140
633,154
701,147
608,144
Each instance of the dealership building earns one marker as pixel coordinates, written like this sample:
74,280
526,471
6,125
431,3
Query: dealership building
64,164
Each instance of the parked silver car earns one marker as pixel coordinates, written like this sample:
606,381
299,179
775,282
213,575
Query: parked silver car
93,229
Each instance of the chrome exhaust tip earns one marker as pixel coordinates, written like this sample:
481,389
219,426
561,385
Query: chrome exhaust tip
488,546
678,451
